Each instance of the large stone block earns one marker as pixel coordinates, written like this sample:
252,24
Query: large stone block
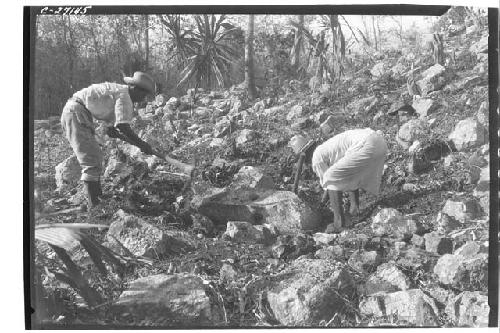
309,291
167,300
468,133
68,172
412,306
282,209
144,239
465,273
469,309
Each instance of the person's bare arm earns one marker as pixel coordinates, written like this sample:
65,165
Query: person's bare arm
125,133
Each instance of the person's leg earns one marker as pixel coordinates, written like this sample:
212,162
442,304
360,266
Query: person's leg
338,211
354,202
88,153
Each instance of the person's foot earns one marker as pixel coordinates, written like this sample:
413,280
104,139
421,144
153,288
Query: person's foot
83,208
333,229
348,221
354,211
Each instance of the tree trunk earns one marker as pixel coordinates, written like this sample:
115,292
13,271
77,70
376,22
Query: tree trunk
320,46
146,39
401,30
297,44
374,33
378,31
100,64
249,65
68,40
438,49
338,46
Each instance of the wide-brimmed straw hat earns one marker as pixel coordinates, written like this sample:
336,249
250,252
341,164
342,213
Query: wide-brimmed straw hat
141,80
299,143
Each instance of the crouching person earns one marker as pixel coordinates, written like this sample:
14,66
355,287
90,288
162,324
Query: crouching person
111,103
349,161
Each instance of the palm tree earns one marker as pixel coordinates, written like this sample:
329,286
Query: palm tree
211,51
249,61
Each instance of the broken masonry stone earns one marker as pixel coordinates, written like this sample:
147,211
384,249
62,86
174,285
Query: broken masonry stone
320,116
324,239
424,106
283,209
245,136
379,69
398,69
480,47
471,249
173,103
292,247
432,79
160,100
465,273
390,222
462,209
418,163
392,274
483,115
374,285
418,241
387,278
144,239
331,252
167,300
468,133
364,261
302,123
413,306
327,126
310,291
202,224
416,259
360,105
445,224
438,243
227,273
252,177
482,190
296,112
483,184
240,231
68,172
223,128
415,129
202,112
469,309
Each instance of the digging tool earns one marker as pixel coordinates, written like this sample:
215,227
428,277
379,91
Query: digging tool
187,169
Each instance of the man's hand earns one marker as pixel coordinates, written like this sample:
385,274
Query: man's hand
146,149
112,132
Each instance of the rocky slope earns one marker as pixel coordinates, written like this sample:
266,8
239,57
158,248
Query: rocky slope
240,249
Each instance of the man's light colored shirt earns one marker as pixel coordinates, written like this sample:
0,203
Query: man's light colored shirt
108,102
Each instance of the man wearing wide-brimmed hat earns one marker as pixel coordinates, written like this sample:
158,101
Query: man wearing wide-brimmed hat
349,161
111,103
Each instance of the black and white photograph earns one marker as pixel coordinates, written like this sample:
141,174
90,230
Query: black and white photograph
270,167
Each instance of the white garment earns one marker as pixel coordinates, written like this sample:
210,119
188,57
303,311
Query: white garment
109,102
351,160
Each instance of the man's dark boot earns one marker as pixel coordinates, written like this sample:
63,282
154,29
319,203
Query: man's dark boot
99,189
92,192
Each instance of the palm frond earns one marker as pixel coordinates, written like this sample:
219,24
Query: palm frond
64,235
213,53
